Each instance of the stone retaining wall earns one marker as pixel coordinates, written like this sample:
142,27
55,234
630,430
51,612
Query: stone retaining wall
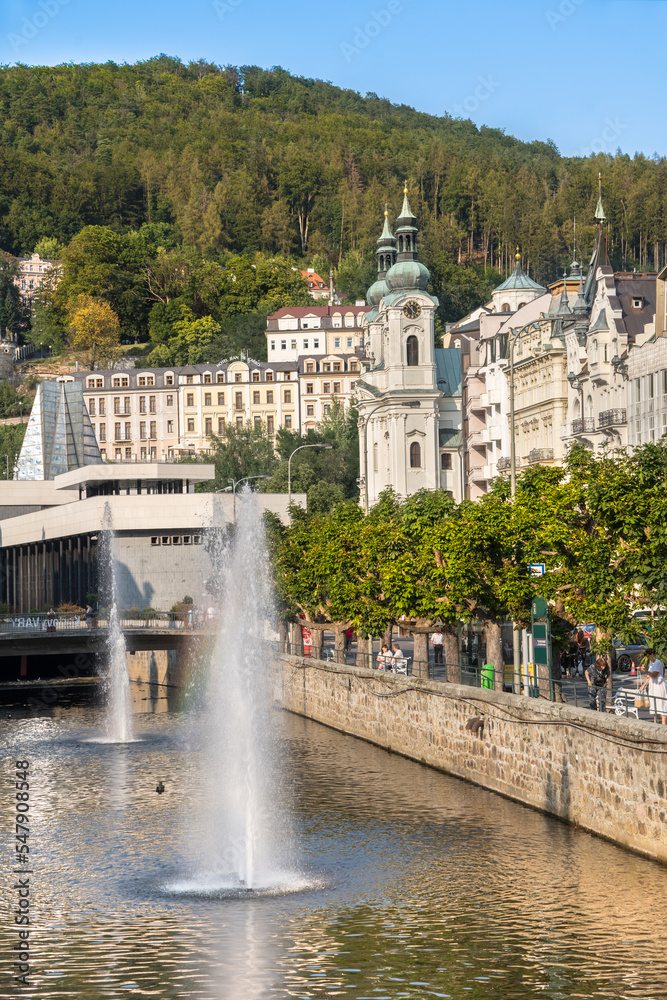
599,772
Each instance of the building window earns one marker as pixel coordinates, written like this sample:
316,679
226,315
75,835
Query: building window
287,376
103,432
287,398
128,454
151,404
375,457
336,366
336,387
273,345
207,378
91,407
445,461
221,425
153,430
170,427
349,342
412,346
116,429
415,456
91,383
258,423
326,367
255,397
208,427
239,422
316,344
326,388
325,409
170,400
239,401
310,368
169,380
269,425
126,404
354,367
221,399
102,407
336,343
288,421
99,383
144,454
116,404
283,345
305,345
128,432
269,396
309,388
220,377
191,425
310,410
238,377
189,379
190,399
207,399
142,430
337,321
119,454
293,345
255,376
269,376
142,404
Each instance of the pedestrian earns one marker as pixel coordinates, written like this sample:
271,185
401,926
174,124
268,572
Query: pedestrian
582,650
597,675
395,656
51,621
657,688
384,658
438,642
89,616
349,632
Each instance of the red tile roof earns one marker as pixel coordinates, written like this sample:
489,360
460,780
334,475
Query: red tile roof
301,311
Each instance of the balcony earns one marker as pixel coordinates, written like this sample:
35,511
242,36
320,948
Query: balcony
583,426
611,418
503,464
540,455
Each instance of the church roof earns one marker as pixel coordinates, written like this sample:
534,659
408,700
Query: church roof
448,370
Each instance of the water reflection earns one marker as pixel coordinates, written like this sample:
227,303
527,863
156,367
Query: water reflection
430,887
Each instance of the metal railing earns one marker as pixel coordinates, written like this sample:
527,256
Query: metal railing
503,463
37,623
608,418
583,425
541,455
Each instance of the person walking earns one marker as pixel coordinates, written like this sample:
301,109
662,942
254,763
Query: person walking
657,688
89,616
597,675
582,650
438,642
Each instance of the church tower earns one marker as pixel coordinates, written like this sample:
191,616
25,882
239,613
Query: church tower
405,389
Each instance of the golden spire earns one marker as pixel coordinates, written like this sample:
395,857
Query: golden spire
405,189
517,255
386,210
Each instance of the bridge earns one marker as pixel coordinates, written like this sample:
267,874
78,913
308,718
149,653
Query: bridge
59,634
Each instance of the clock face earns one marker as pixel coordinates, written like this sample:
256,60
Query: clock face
412,310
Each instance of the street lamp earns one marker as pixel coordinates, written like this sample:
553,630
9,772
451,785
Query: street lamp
237,482
412,404
577,383
620,367
289,466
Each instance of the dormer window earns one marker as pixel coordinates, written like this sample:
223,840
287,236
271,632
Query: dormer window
637,303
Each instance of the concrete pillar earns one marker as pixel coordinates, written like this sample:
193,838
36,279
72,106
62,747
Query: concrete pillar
420,660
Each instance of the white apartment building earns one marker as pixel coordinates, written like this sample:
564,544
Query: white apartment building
294,332
33,271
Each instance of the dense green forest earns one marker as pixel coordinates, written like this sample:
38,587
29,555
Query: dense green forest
191,173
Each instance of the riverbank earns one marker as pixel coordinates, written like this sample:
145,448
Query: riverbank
600,772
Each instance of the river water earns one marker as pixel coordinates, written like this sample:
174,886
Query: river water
419,885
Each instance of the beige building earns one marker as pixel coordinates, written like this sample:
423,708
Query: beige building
295,332
33,271
158,414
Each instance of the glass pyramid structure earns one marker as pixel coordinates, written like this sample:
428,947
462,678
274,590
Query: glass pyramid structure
59,436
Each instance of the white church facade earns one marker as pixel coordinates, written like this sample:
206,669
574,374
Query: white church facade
409,394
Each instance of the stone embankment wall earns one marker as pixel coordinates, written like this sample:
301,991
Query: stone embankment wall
603,773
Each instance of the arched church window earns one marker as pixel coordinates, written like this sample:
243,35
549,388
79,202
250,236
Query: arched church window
415,456
505,307
375,458
412,346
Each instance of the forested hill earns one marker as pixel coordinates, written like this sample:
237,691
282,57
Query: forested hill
247,160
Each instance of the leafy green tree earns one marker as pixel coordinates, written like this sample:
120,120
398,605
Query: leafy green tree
240,452
49,248
11,440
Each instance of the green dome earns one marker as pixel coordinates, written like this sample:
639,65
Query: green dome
376,292
408,275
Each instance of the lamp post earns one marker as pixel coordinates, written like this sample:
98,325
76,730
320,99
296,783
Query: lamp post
289,466
412,404
577,383
620,367
237,482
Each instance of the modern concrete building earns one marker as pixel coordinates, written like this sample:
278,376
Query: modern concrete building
51,535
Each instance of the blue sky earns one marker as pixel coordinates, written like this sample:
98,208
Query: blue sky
584,73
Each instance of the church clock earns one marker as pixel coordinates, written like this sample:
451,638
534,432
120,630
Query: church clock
412,309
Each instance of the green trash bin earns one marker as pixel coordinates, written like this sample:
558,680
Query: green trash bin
488,670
